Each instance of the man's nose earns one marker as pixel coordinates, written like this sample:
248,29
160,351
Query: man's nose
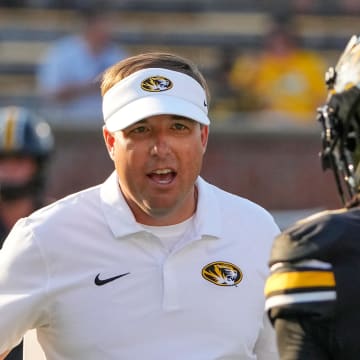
160,146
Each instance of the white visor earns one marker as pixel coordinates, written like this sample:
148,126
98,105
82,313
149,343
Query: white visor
154,91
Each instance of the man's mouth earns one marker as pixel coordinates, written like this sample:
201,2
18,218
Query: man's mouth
162,176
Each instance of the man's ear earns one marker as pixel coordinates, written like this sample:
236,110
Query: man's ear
109,138
204,136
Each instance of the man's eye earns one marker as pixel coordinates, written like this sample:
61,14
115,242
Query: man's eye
179,126
139,129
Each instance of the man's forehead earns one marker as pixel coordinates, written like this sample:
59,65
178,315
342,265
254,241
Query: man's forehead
164,117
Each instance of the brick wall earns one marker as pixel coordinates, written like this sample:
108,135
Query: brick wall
276,170
279,170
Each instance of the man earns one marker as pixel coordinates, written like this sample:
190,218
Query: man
68,76
25,145
155,263
313,291
283,80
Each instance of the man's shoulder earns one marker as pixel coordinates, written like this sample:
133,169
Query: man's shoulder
233,205
325,222
66,206
320,235
67,41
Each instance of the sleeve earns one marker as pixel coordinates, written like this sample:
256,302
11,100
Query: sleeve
306,287
301,282
265,347
23,284
303,340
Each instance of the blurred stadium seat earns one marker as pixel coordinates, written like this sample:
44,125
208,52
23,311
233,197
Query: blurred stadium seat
200,30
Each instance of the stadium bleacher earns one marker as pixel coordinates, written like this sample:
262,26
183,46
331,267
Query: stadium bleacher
200,30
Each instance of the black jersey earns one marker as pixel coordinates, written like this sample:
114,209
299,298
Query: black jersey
315,278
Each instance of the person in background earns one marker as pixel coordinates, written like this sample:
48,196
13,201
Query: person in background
26,143
313,291
168,265
69,73
283,79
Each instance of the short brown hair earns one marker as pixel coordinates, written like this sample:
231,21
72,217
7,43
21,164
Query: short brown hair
135,63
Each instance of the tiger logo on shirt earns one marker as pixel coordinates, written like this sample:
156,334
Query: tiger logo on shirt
222,273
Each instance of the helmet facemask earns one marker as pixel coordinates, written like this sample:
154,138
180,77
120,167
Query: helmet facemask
24,135
340,120
21,176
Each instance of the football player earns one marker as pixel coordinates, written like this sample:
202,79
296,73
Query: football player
313,291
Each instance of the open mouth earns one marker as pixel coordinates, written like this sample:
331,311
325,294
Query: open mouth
162,176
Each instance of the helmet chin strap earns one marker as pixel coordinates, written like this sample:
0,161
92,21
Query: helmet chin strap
10,192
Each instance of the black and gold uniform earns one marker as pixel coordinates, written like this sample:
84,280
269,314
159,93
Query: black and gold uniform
313,290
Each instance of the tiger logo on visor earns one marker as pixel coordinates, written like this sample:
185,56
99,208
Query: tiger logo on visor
222,273
156,84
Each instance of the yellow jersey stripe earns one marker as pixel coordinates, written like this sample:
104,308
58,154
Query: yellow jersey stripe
299,279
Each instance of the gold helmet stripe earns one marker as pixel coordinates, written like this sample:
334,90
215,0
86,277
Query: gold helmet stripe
10,126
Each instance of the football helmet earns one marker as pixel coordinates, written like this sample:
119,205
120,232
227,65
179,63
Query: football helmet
23,134
340,120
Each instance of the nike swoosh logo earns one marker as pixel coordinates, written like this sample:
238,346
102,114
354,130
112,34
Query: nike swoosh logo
100,282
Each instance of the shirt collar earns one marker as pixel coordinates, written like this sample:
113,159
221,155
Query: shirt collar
116,210
122,222
208,215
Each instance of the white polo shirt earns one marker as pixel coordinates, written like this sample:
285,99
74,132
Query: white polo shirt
97,285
